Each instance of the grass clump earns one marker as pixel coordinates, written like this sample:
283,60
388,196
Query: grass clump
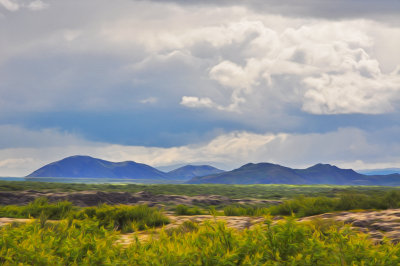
237,210
38,207
186,210
185,227
123,217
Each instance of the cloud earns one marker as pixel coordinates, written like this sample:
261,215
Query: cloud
196,102
328,9
9,5
339,78
37,5
12,136
247,67
239,60
150,100
351,93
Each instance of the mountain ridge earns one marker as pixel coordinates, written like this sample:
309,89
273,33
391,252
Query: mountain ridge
82,166
268,173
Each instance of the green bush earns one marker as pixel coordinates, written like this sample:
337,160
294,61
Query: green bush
185,210
235,210
38,207
124,217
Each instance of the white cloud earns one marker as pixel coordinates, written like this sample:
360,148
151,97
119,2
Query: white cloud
241,60
37,5
351,93
196,102
9,5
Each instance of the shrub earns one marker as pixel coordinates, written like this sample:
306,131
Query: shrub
235,210
39,206
185,210
123,217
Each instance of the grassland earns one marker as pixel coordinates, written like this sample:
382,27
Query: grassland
232,191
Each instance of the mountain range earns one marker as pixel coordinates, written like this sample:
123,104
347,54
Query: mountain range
88,167
267,173
260,173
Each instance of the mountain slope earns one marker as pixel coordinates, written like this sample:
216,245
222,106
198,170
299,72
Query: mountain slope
261,173
88,167
190,171
330,174
266,173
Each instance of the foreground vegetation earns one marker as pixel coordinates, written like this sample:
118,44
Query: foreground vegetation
71,242
121,217
88,235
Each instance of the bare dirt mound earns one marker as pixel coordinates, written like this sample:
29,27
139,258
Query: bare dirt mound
94,198
377,224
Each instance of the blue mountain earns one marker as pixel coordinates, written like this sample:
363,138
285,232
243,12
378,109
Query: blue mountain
190,171
267,173
89,167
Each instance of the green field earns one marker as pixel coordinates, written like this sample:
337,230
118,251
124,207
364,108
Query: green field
232,191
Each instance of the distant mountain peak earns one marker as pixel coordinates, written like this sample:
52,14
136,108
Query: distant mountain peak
83,166
191,171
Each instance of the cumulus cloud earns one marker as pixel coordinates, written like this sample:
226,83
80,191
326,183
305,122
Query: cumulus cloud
241,60
195,102
351,93
327,66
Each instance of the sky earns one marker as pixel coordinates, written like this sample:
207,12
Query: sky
222,82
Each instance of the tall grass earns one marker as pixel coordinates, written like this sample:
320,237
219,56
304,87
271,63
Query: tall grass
73,242
120,217
186,210
123,217
237,210
39,206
